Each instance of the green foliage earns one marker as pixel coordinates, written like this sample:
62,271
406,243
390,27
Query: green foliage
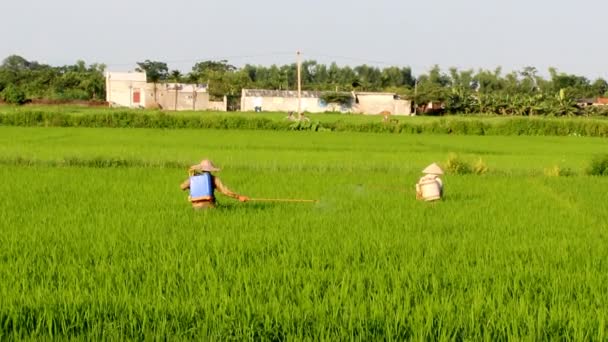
314,126
13,95
460,101
39,81
558,171
176,76
202,68
221,77
17,63
457,166
595,111
480,167
599,166
565,104
341,123
519,93
337,97
155,71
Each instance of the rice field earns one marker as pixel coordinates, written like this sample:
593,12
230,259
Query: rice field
114,251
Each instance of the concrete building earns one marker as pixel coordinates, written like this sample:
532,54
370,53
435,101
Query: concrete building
283,101
131,90
126,89
381,103
594,101
179,96
287,100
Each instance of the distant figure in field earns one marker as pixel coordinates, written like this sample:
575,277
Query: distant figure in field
430,186
202,185
290,116
386,115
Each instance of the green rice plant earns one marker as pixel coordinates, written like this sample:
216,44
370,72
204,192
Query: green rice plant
97,242
479,167
457,166
391,153
457,125
558,171
598,166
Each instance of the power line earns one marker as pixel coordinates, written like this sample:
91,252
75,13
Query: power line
311,56
207,58
354,59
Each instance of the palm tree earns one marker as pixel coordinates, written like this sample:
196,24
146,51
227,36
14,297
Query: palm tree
176,76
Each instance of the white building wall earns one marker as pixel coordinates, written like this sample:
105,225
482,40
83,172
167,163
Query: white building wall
120,87
219,106
403,107
186,100
281,104
375,104
285,101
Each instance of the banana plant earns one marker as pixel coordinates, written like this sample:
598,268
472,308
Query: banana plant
567,106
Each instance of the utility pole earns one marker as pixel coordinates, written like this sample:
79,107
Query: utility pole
109,88
194,97
415,96
299,86
176,94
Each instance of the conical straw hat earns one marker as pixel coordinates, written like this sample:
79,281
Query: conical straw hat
433,169
205,165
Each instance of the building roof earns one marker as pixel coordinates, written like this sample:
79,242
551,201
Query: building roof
279,93
373,93
306,94
602,100
363,94
185,87
126,76
586,100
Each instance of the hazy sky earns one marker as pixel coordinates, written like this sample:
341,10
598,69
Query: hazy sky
570,35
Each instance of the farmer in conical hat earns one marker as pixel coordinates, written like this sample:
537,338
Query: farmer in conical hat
202,185
430,186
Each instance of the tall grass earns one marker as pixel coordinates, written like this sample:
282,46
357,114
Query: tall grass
341,123
599,166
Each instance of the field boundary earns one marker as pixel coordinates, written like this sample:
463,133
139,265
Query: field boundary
96,162
122,163
457,126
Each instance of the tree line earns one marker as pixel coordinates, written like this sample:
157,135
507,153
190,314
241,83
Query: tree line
22,80
523,92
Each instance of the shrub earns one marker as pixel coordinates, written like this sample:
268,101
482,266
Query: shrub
314,126
595,111
599,166
558,171
456,165
13,95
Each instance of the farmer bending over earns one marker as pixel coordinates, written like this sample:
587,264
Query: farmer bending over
430,186
202,185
